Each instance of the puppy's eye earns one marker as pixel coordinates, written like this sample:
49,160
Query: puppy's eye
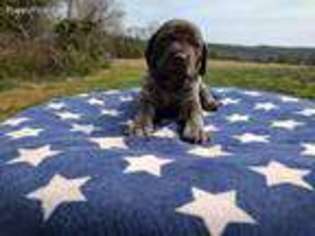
196,44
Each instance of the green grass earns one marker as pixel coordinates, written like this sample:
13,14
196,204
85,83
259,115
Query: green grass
296,81
17,94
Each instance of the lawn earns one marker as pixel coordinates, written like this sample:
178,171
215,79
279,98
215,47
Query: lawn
17,94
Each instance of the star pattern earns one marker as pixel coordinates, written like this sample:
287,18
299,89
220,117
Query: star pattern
229,101
56,105
309,149
15,121
165,133
86,129
288,99
221,90
110,142
111,92
96,102
146,163
266,106
126,123
25,132
278,174
210,207
161,171
211,128
66,115
126,98
209,152
110,112
234,118
83,95
34,156
307,112
286,124
252,138
58,191
252,93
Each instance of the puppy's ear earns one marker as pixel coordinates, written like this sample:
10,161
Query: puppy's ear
204,59
149,54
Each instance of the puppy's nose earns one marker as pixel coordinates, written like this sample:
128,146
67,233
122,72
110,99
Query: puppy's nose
180,57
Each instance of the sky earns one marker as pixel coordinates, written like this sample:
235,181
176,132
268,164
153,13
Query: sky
244,22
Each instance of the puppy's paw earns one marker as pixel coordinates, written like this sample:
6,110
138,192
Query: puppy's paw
140,128
212,105
195,134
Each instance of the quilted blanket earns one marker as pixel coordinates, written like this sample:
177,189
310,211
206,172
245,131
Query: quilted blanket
67,169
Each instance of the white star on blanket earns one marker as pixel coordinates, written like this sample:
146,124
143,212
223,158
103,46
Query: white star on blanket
34,156
15,121
25,132
309,149
147,163
110,142
210,152
286,124
209,207
59,190
252,138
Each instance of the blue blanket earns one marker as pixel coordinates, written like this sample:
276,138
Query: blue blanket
67,169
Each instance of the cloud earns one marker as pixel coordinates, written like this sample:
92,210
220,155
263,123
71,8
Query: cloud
268,22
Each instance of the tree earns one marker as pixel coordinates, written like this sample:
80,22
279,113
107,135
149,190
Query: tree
107,14
25,18
142,32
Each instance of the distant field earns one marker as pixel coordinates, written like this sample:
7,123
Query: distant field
20,93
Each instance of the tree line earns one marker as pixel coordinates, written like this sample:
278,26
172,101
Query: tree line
48,37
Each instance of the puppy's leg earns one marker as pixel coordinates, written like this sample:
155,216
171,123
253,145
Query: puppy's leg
208,102
142,124
192,120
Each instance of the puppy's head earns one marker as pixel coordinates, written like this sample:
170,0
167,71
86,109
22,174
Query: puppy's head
177,52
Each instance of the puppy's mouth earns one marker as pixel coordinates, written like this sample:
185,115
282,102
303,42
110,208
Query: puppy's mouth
180,81
178,72
179,62
177,68
177,76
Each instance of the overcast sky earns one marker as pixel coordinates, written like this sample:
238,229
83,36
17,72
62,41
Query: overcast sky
246,22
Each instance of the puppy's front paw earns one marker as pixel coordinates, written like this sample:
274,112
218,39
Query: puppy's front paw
212,105
194,134
140,128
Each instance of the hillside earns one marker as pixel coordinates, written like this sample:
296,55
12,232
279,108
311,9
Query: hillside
128,47
301,56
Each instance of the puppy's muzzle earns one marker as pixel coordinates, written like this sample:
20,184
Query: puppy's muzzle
180,62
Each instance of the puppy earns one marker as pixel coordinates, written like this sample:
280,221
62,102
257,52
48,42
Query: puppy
176,57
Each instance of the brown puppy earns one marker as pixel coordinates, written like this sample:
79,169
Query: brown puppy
176,56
